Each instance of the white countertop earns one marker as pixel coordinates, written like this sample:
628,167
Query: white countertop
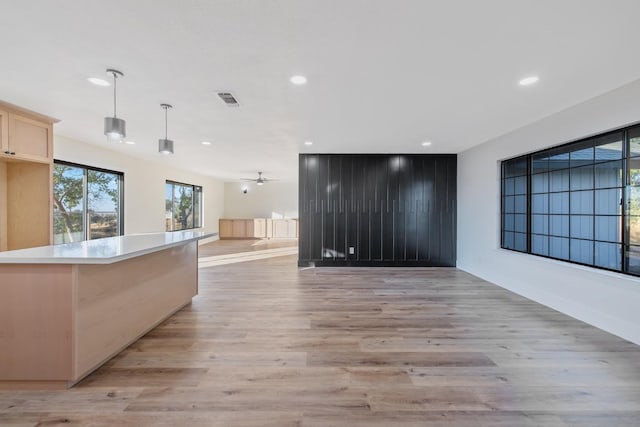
102,251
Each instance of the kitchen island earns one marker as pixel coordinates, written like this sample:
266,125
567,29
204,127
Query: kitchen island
67,309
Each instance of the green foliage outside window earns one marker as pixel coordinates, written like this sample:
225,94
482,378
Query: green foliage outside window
86,203
183,206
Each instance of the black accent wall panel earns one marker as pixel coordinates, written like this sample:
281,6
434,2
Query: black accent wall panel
391,209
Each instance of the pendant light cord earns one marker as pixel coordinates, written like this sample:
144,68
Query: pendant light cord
115,79
165,122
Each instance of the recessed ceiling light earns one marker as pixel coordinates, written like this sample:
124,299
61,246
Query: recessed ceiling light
298,80
426,143
130,142
529,80
205,143
308,143
99,82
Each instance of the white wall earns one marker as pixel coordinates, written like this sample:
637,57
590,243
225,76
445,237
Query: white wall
607,300
271,200
144,185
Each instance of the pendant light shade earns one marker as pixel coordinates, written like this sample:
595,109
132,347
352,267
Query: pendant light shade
165,145
114,128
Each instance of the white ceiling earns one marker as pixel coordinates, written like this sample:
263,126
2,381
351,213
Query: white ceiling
384,75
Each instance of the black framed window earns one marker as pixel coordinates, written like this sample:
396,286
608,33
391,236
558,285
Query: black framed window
183,206
632,202
514,204
87,202
582,202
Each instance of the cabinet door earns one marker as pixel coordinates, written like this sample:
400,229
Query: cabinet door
4,133
239,228
225,228
30,139
284,228
279,228
259,228
292,229
29,204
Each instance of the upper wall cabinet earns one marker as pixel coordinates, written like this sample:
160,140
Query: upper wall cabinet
26,137
4,131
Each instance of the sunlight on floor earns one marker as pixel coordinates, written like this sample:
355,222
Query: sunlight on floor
211,261
267,242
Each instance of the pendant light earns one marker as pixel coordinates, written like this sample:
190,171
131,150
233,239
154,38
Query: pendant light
114,128
165,146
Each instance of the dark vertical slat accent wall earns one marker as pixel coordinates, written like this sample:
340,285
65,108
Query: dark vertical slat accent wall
393,210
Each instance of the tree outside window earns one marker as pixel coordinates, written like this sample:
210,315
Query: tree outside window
183,206
87,203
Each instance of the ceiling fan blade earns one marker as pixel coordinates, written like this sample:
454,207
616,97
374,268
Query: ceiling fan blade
260,180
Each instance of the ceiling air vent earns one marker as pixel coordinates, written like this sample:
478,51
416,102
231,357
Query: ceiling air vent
228,99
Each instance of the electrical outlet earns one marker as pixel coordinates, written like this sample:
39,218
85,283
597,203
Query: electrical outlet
352,250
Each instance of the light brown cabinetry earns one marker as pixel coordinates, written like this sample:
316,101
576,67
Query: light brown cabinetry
26,167
54,316
4,131
254,228
242,228
282,228
258,228
225,228
29,139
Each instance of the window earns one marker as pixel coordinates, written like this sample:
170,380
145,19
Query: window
183,206
514,204
87,203
578,202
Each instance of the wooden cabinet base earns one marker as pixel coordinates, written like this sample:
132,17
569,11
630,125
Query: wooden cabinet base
58,323
258,228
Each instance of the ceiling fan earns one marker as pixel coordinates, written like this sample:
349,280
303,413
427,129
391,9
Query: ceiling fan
260,180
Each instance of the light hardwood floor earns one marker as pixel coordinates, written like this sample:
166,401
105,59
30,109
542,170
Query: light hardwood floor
268,344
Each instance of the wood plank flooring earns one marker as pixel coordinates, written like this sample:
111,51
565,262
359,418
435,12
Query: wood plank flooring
268,344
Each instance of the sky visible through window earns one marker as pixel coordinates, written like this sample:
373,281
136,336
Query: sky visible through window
579,202
77,188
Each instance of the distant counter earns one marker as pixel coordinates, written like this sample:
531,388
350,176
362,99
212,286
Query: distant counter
258,228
